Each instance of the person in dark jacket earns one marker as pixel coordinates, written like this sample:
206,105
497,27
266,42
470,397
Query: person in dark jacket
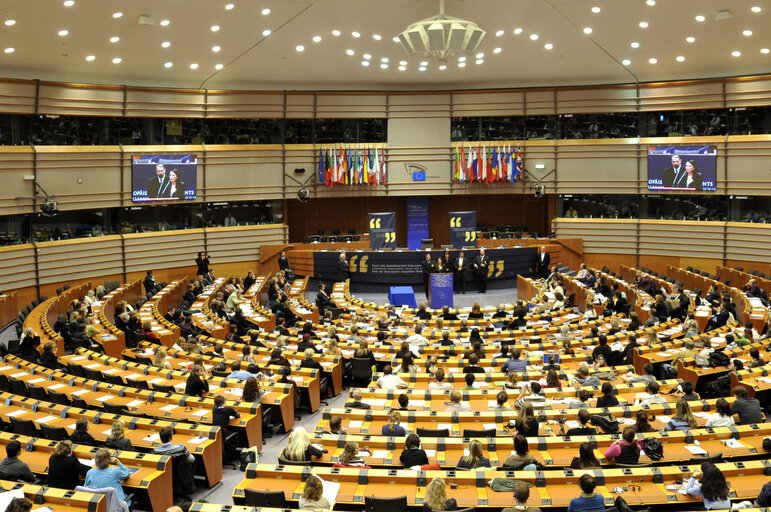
81,435
196,383
28,344
64,469
117,437
149,282
221,414
308,361
413,454
11,468
48,357
582,430
203,263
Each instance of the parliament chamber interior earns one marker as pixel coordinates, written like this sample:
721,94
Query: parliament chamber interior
385,256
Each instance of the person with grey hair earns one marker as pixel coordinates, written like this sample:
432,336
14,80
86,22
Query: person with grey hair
356,403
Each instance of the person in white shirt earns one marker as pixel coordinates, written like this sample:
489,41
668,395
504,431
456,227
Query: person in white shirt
439,384
390,381
653,389
455,402
722,416
417,339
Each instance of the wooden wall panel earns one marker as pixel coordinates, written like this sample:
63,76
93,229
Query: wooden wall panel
244,104
599,167
17,96
166,249
85,101
416,105
342,105
300,105
622,98
684,239
748,241
604,236
84,258
242,173
749,91
142,102
241,244
540,101
683,95
18,268
17,194
503,103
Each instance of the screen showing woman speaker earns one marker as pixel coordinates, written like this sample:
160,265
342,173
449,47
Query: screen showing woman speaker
686,168
163,178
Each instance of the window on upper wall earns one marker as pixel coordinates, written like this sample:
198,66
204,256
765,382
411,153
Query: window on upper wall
465,128
74,224
749,120
595,206
750,209
599,126
244,213
684,207
501,128
541,127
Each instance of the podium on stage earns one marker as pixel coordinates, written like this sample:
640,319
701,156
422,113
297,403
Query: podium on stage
440,291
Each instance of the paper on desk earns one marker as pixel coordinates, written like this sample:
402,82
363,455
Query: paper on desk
8,496
14,414
355,424
92,366
643,396
198,439
489,426
202,412
45,419
110,371
169,407
151,437
571,424
662,418
104,398
56,386
441,426
78,358
80,392
696,450
379,454
702,414
156,380
35,381
19,375
430,453
733,443
318,446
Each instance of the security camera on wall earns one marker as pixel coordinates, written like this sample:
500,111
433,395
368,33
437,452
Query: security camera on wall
49,208
540,190
303,195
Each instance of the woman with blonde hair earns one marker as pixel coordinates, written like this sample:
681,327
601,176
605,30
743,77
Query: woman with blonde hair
349,458
117,438
332,333
683,419
299,448
312,497
474,459
527,423
364,352
333,349
476,312
436,497
90,298
393,428
159,361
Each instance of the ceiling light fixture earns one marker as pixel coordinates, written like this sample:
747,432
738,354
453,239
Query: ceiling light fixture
653,60
587,31
756,8
168,65
736,53
215,28
480,61
534,37
116,60
442,67
548,46
517,31
395,39
193,66
63,33
166,44
422,68
643,24
700,18
350,52
10,23
366,56
229,7
215,49
384,66
626,62
376,37
316,39
634,44
90,58
365,63
461,59
690,39
114,39
266,32
441,36
747,33
497,50
424,63
384,60
764,50
499,33
480,55
402,68
219,66
651,2
69,3
356,34
403,63
265,11
165,23
9,50
117,15
299,48
680,58
461,64
336,33
596,10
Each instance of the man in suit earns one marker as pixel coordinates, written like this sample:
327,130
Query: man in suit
672,175
323,301
480,264
149,282
459,273
158,186
427,266
343,270
542,263
283,262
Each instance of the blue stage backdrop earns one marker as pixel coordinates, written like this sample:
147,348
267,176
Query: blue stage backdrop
403,267
441,291
463,229
417,221
382,230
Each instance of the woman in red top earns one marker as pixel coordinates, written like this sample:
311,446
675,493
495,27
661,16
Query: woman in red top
148,333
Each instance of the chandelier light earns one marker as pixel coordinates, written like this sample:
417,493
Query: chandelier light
441,36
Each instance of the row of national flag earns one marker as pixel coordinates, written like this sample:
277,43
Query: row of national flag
352,166
482,164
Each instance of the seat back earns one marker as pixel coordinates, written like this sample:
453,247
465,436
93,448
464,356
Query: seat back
433,432
75,370
93,374
37,393
471,433
286,462
361,369
18,387
58,398
53,433
23,427
139,384
266,498
113,379
397,504
163,389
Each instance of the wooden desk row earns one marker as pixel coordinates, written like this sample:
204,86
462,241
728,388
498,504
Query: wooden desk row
153,310
58,500
113,340
45,314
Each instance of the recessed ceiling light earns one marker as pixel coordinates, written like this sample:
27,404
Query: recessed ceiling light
517,31
219,66
680,58
690,39
461,64
651,2
355,34
90,58
764,50
114,39
299,48
229,7
480,55
9,50
166,44
63,32
626,62
587,30
316,39
422,68
215,49
10,23
653,60
736,53
69,3
548,46
395,39
747,33
596,10
265,11
497,50
402,68
165,23
756,8
117,15
367,56
700,18
215,28
643,24
266,32
533,37
461,59
365,63
336,33
193,66
384,66
168,65
350,52
634,44
376,37
480,61
404,63
499,33
384,60
116,60
442,67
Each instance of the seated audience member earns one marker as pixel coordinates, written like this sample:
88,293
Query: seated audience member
521,495
584,379
422,313
436,497
589,499
642,424
221,414
404,402
335,426
64,468
81,435
252,392
28,344
102,475
647,376
475,458
515,364
312,497
683,419
13,469
625,450
455,402
527,423
502,402
309,362
764,498
653,389
196,384
299,448
389,380
586,458
710,483
520,460
747,408
237,373
117,438
688,393
583,396
439,384
608,398
356,403
470,380
413,454
473,365
350,457
393,428
582,429
175,449
722,416
531,394
553,380
48,357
